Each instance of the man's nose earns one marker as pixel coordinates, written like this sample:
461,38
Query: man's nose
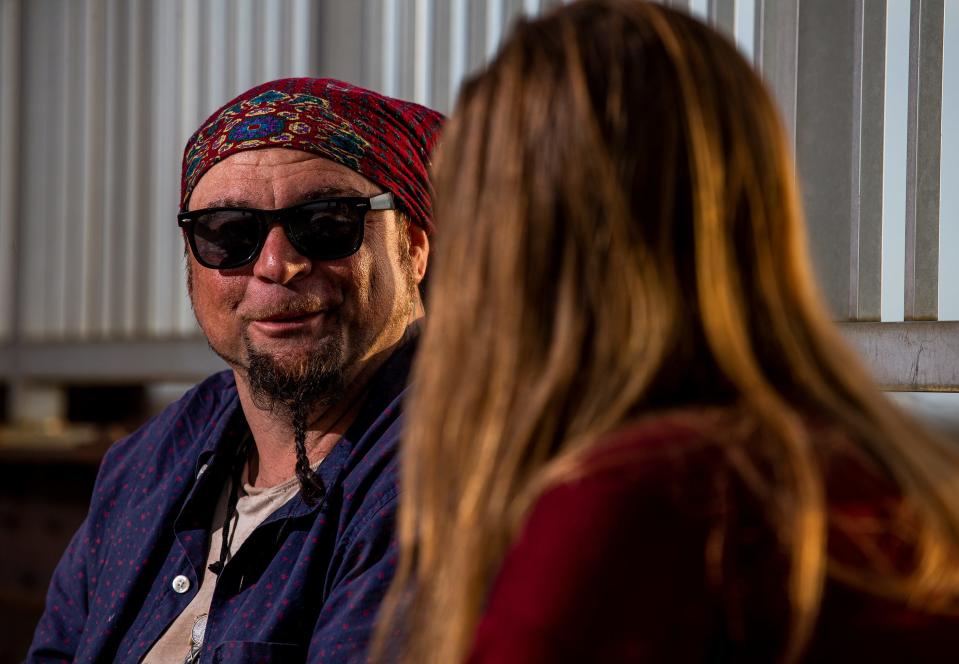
279,261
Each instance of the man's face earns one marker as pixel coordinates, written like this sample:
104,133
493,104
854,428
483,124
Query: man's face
290,309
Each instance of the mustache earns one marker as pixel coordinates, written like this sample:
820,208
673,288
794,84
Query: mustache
294,306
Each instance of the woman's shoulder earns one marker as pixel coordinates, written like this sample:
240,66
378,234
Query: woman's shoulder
687,445
678,455
602,555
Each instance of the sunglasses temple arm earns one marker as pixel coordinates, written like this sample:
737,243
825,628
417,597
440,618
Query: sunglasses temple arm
382,201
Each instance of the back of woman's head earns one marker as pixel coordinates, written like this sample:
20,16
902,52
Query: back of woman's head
619,176
619,232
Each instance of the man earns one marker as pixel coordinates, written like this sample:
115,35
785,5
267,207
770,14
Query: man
252,519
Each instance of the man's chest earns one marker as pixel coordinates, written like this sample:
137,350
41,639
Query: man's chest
271,591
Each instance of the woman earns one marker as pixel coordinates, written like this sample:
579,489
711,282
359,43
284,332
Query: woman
635,435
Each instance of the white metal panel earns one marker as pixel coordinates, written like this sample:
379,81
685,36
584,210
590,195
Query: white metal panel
949,173
93,174
476,23
824,140
494,26
218,59
112,193
868,81
257,43
194,82
136,360
746,28
38,260
405,48
10,31
458,45
423,51
440,45
136,174
894,161
924,136
247,54
390,55
163,247
777,54
286,39
301,43
722,16
72,220
372,44
271,28
126,81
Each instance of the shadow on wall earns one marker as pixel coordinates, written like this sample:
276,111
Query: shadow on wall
939,410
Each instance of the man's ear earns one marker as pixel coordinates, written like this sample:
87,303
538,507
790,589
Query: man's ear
419,250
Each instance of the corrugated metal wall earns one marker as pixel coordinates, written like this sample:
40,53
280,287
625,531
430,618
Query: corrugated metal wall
9,130
107,93
97,98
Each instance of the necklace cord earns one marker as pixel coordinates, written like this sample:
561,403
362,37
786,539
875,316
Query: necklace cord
236,470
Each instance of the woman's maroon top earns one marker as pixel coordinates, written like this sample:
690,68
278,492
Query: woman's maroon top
660,552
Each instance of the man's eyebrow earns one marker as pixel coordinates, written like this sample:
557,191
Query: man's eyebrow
331,191
225,203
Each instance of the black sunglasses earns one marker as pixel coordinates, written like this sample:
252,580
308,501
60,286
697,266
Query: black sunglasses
323,229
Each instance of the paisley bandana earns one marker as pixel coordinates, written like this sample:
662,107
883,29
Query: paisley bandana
385,140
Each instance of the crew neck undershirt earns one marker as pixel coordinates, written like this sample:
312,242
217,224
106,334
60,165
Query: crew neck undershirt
182,640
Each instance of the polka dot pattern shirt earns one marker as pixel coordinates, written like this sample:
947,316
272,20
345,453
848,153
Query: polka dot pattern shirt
305,587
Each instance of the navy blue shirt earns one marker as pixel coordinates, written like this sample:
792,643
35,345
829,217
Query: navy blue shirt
305,586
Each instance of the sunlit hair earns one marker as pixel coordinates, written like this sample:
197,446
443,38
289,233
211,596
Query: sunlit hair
620,233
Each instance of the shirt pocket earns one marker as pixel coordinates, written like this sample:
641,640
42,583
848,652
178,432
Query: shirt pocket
257,652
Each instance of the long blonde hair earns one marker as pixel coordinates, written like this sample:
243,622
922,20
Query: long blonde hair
620,232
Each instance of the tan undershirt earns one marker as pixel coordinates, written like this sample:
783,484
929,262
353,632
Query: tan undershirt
253,506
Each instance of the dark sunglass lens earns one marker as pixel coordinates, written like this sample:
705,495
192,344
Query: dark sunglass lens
226,238
327,231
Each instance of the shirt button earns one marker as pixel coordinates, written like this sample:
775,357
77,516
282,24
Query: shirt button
181,584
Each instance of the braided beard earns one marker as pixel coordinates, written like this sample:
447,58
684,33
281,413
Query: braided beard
296,392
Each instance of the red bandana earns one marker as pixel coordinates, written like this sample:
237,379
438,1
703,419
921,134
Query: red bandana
386,140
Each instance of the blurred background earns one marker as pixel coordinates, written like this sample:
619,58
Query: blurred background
98,97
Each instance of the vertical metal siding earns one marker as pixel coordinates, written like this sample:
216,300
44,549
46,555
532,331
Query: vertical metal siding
894,161
824,140
722,15
423,50
93,174
39,260
301,50
869,77
949,194
10,128
458,48
115,87
777,54
924,136
111,192
134,176
494,26
391,61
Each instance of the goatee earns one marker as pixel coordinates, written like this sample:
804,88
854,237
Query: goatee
287,387
296,391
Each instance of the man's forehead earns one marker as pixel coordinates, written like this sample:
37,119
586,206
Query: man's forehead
245,178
